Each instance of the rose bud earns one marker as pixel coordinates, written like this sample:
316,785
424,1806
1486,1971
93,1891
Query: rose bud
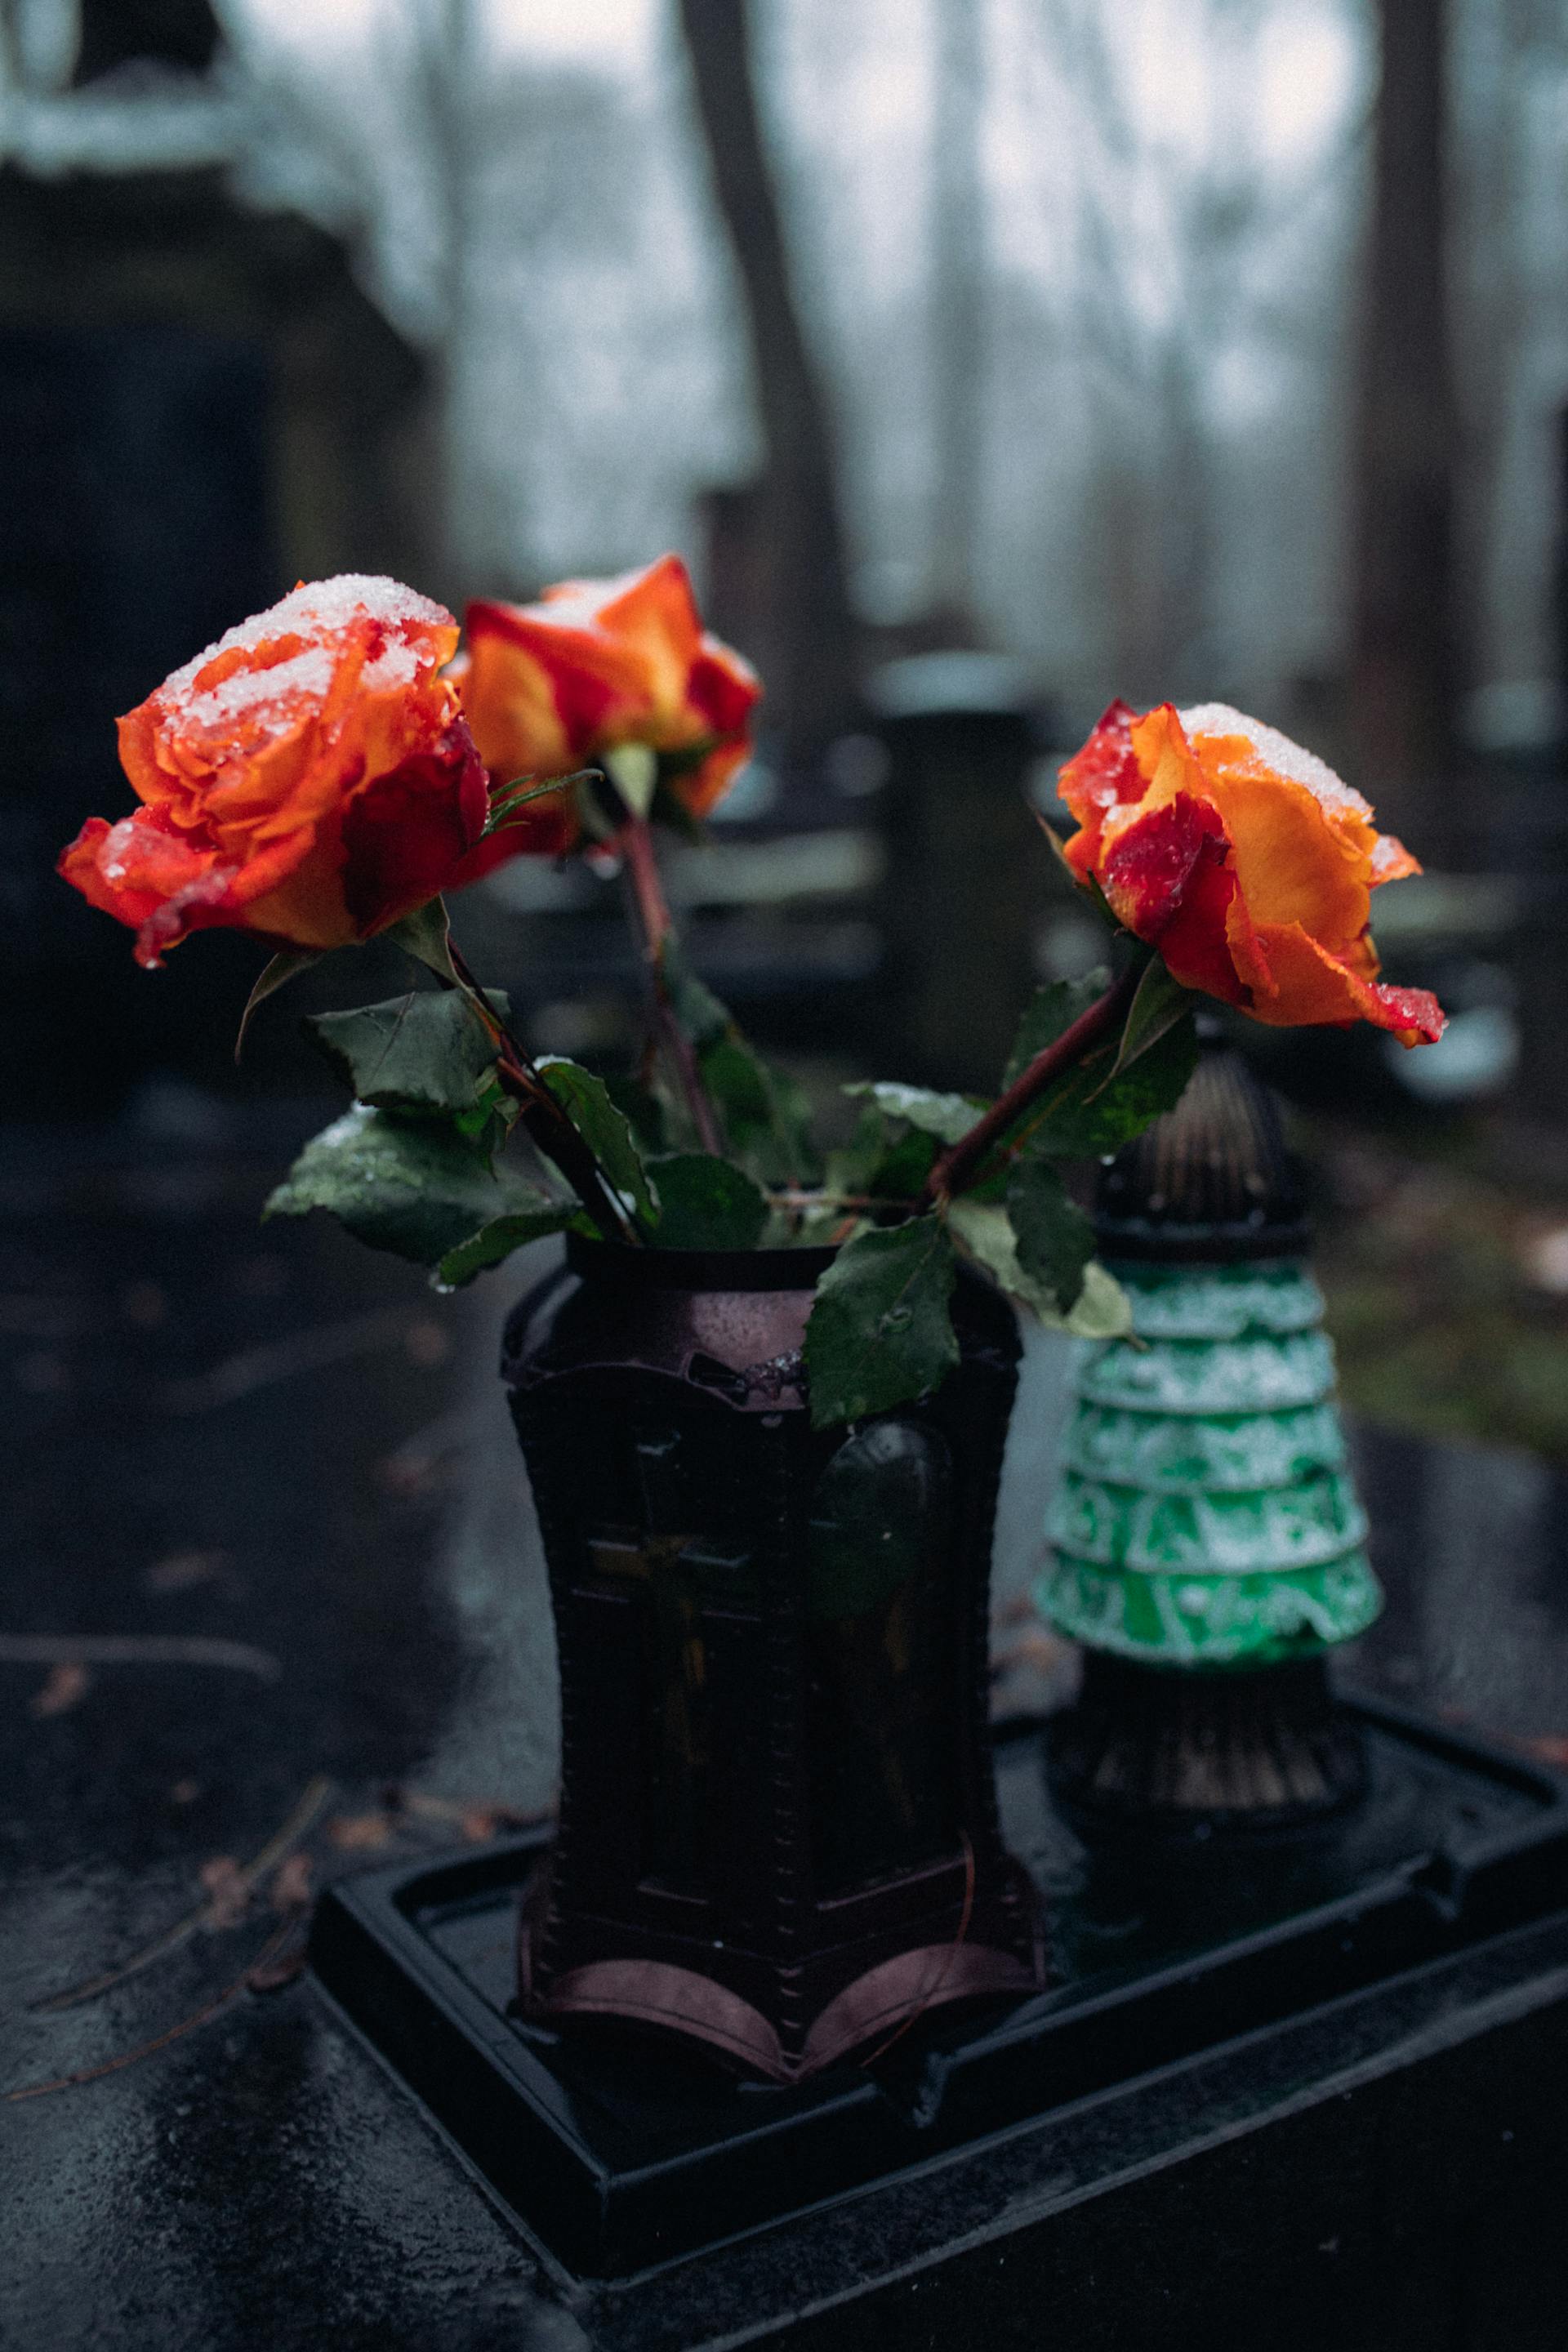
1246,861
310,778
597,664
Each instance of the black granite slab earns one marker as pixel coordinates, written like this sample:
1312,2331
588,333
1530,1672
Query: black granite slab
621,2153
276,1439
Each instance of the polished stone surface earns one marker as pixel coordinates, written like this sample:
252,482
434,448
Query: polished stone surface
220,1434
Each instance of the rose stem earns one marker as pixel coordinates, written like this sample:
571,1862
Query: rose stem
547,1123
959,1166
635,842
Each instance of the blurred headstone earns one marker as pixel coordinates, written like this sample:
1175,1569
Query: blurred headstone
202,406
967,873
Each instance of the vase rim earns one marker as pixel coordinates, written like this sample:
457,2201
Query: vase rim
690,1269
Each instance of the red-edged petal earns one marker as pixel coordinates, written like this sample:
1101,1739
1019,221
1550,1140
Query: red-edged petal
722,689
1104,775
1148,864
1315,989
406,836
149,876
1196,942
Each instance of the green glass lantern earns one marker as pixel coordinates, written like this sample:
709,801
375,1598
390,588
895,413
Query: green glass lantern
1208,1544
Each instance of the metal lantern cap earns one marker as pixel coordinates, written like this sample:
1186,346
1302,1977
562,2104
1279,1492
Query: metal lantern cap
1213,1179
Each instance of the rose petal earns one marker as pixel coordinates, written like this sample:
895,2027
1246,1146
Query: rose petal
1311,986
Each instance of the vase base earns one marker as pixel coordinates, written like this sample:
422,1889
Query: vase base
621,2150
1163,1748
663,1998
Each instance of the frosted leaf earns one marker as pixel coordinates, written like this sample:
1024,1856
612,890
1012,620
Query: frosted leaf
1287,758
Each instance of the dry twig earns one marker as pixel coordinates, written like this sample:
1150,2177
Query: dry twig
137,1650
235,1886
259,1976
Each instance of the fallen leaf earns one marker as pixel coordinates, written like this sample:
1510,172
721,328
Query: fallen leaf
182,1570
229,1891
477,1818
254,1872
427,1344
63,1687
357,1833
1545,1261
291,1888
1040,1650
271,1975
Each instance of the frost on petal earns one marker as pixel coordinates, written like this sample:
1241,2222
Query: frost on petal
1276,751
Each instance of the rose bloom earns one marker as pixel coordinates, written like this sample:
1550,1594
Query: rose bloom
554,686
310,778
1246,861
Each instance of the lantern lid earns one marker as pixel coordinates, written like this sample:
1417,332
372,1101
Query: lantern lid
1213,1179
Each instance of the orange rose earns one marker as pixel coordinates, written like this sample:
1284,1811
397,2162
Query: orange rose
309,778
1246,861
552,686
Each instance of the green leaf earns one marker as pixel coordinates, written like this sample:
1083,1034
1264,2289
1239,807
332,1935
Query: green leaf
283,968
491,1118
670,810
424,1051
426,935
1089,1112
901,1175
586,1100
633,769
595,812
875,1164
985,1233
1157,1005
765,1115
411,1185
509,801
947,1116
706,1203
645,1112
1056,1240
851,1165
498,1240
880,1332
1050,1011
1104,1311
698,1013
878,1520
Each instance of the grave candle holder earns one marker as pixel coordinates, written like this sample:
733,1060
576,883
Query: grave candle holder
1207,1540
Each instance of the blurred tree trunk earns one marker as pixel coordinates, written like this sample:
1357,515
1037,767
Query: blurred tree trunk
447,52
1402,683
810,658
958,281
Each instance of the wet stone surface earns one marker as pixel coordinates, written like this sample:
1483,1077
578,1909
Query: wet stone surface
270,1440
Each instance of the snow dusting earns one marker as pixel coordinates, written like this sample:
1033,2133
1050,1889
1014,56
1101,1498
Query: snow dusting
1287,758
397,664
309,673
315,607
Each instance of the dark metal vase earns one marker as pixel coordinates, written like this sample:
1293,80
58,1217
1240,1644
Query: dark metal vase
778,1830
